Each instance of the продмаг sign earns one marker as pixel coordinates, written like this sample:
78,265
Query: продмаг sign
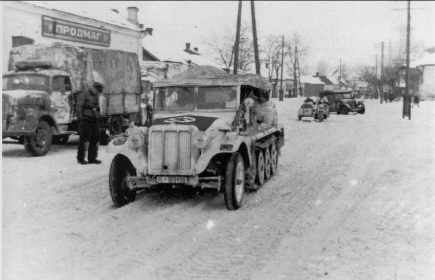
66,30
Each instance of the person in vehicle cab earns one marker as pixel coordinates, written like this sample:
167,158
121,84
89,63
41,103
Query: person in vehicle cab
88,115
323,99
264,109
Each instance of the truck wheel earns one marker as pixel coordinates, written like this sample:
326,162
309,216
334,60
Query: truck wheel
120,171
260,168
273,159
344,110
39,144
266,163
234,182
299,117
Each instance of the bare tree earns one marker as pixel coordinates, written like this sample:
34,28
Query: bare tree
273,52
224,48
297,50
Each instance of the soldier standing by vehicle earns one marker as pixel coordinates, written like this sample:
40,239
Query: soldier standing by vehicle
88,114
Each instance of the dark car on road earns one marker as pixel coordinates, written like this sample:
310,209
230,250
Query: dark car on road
343,102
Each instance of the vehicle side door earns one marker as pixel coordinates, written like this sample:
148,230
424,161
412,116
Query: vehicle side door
62,99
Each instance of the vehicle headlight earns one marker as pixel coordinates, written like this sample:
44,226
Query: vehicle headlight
200,140
136,140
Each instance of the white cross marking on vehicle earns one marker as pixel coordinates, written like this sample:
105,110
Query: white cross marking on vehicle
180,120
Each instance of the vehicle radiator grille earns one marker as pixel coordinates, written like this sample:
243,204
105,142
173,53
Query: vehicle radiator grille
170,150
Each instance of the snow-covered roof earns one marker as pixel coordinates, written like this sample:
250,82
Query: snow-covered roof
311,80
170,52
90,10
424,61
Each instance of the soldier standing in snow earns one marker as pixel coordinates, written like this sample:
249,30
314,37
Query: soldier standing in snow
88,114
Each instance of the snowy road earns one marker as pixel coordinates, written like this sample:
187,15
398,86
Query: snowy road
354,198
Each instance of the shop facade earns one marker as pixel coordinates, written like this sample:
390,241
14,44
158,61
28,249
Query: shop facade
48,22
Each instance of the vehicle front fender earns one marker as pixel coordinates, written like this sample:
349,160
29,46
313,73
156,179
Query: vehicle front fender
137,157
226,144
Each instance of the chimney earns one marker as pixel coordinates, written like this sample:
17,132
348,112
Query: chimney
132,15
115,10
187,46
149,31
317,74
195,49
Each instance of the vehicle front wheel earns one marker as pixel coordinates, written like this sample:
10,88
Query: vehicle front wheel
234,182
39,144
121,170
362,111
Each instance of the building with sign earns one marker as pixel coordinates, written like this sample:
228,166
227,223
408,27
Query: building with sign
92,26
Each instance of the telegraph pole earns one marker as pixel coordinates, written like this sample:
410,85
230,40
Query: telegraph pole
295,81
281,92
382,74
407,98
236,51
254,31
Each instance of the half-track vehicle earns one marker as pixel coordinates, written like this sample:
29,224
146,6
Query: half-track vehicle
204,134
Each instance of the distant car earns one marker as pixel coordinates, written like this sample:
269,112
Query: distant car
343,102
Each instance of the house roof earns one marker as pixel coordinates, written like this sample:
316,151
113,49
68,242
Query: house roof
325,80
173,52
424,61
212,76
90,10
311,80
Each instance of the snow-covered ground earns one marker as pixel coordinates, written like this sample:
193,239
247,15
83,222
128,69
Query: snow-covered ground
354,198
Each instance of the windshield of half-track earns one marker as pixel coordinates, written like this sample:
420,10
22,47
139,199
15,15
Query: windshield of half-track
186,99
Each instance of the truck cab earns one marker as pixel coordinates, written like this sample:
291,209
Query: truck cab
204,134
37,105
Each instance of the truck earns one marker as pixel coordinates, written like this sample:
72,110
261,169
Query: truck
41,87
204,134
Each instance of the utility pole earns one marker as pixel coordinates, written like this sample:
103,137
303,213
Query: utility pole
254,31
382,74
281,91
236,51
339,78
295,81
407,98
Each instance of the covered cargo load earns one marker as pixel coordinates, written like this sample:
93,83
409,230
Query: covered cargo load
119,71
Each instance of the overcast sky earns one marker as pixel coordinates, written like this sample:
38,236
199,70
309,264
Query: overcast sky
332,30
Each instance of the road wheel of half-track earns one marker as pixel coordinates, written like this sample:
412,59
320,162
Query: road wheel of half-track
121,170
267,163
39,144
260,168
273,159
234,182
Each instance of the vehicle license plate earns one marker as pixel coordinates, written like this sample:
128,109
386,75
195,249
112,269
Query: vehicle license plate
171,180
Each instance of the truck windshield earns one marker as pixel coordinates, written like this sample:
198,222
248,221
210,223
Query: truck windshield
183,98
26,82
